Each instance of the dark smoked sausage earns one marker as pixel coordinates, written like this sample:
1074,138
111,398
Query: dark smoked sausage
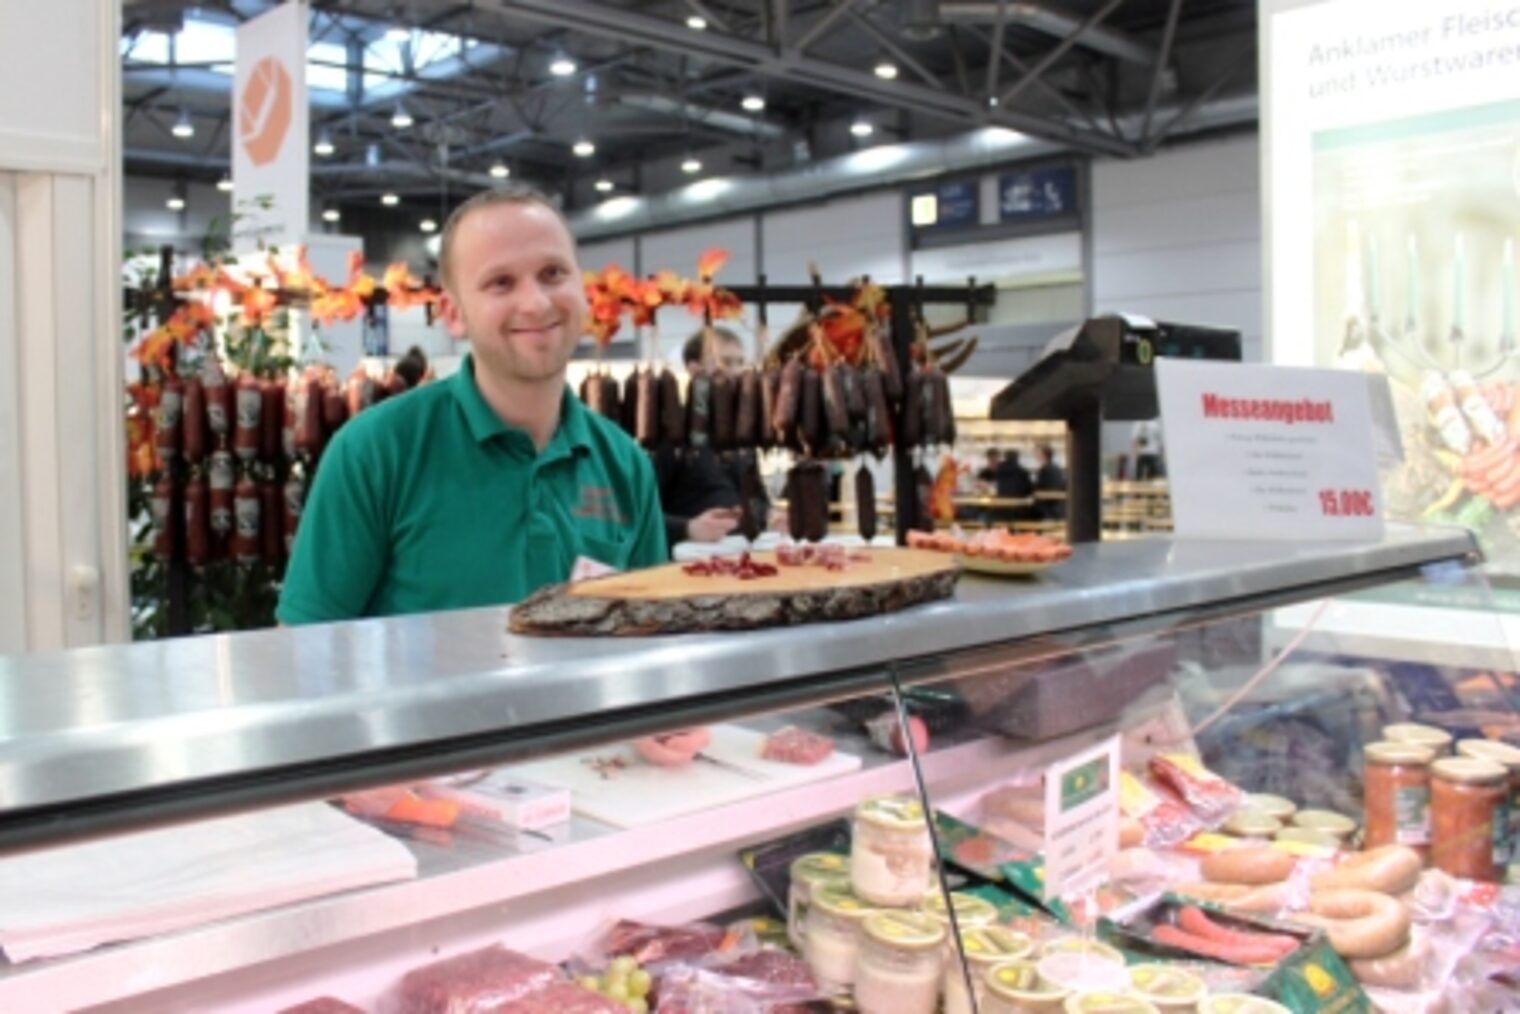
865,502
673,419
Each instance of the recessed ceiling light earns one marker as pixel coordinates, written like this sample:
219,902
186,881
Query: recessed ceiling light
862,128
696,23
583,148
224,184
752,103
691,166
389,200
992,101
330,215
604,186
324,145
175,203
562,66
886,70
428,225
183,127
401,119
499,170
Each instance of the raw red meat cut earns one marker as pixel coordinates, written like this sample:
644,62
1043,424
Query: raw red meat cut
478,981
323,1005
649,945
772,965
792,745
562,998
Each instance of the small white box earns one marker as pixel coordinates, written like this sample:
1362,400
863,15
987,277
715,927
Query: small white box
514,801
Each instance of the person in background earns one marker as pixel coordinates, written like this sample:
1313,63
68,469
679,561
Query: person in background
1013,483
1147,450
1050,478
699,495
988,474
412,367
484,488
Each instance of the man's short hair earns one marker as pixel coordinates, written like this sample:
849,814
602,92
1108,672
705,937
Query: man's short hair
692,351
511,193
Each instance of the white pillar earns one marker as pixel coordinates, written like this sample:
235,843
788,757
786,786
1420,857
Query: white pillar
63,542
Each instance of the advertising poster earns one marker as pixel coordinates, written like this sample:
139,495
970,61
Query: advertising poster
1391,168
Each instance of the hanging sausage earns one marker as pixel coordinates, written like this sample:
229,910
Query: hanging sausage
271,420
222,474
164,506
271,525
698,408
245,535
724,405
193,423
672,416
247,435
218,404
197,526
865,502
171,406
294,495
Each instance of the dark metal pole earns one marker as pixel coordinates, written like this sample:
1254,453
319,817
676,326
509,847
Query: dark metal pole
178,566
904,483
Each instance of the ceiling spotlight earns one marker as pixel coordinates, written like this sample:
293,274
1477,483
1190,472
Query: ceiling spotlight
562,66
324,145
696,23
182,126
691,166
224,184
401,119
428,225
862,128
175,203
752,103
886,70
499,170
992,101
330,215
604,186
390,200
583,148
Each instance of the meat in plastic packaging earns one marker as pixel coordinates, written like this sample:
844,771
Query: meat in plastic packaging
490,979
754,983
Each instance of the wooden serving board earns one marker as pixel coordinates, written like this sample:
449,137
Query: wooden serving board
640,793
667,600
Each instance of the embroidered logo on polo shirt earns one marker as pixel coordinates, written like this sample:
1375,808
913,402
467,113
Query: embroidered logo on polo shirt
597,502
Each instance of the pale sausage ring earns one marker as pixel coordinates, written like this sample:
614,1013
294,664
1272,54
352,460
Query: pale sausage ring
1390,869
1400,970
1359,923
1256,865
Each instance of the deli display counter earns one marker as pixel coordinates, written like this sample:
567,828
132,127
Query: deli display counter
1105,779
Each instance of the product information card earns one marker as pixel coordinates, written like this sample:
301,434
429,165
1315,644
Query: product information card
1269,452
1082,819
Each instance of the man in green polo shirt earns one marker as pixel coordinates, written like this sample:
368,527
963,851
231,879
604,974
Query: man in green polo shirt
482,488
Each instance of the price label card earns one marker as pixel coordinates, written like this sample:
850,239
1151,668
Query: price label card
1269,452
1081,819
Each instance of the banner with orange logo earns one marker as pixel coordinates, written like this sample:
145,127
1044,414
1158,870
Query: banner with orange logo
269,116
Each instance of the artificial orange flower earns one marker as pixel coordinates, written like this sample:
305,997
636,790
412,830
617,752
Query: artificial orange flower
942,496
257,304
710,263
331,307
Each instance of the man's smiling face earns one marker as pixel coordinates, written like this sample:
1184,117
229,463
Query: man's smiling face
516,292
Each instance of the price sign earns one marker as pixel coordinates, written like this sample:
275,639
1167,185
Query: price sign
1269,452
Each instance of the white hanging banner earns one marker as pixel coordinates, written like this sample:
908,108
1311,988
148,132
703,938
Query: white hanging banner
270,183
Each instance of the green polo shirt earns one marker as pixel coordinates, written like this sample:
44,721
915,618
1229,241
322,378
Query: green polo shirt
429,501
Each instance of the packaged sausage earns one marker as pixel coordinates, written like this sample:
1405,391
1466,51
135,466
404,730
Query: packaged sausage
835,406
294,399
245,512
218,403
878,413
747,410
672,418
170,415
197,526
222,474
724,405
788,401
271,420
808,501
751,500
194,421
309,416
164,506
247,436
334,409
646,405
770,389
810,420
271,524
698,408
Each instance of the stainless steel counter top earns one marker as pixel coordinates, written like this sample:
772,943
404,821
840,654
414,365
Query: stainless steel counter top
162,722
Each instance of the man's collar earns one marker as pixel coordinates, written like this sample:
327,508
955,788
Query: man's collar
485,424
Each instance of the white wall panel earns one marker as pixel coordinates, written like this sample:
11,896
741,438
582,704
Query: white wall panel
847,237
50,115
1178,237
13,610
596,256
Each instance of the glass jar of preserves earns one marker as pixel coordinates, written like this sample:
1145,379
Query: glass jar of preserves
1507,821
901,959
832,939
1466,795
1396,795
1015,987
807,873
1429,736
891,855
984,948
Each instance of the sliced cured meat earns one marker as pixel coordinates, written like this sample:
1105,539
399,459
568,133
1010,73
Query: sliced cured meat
792,745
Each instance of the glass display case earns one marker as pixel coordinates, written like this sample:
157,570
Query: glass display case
1129,774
